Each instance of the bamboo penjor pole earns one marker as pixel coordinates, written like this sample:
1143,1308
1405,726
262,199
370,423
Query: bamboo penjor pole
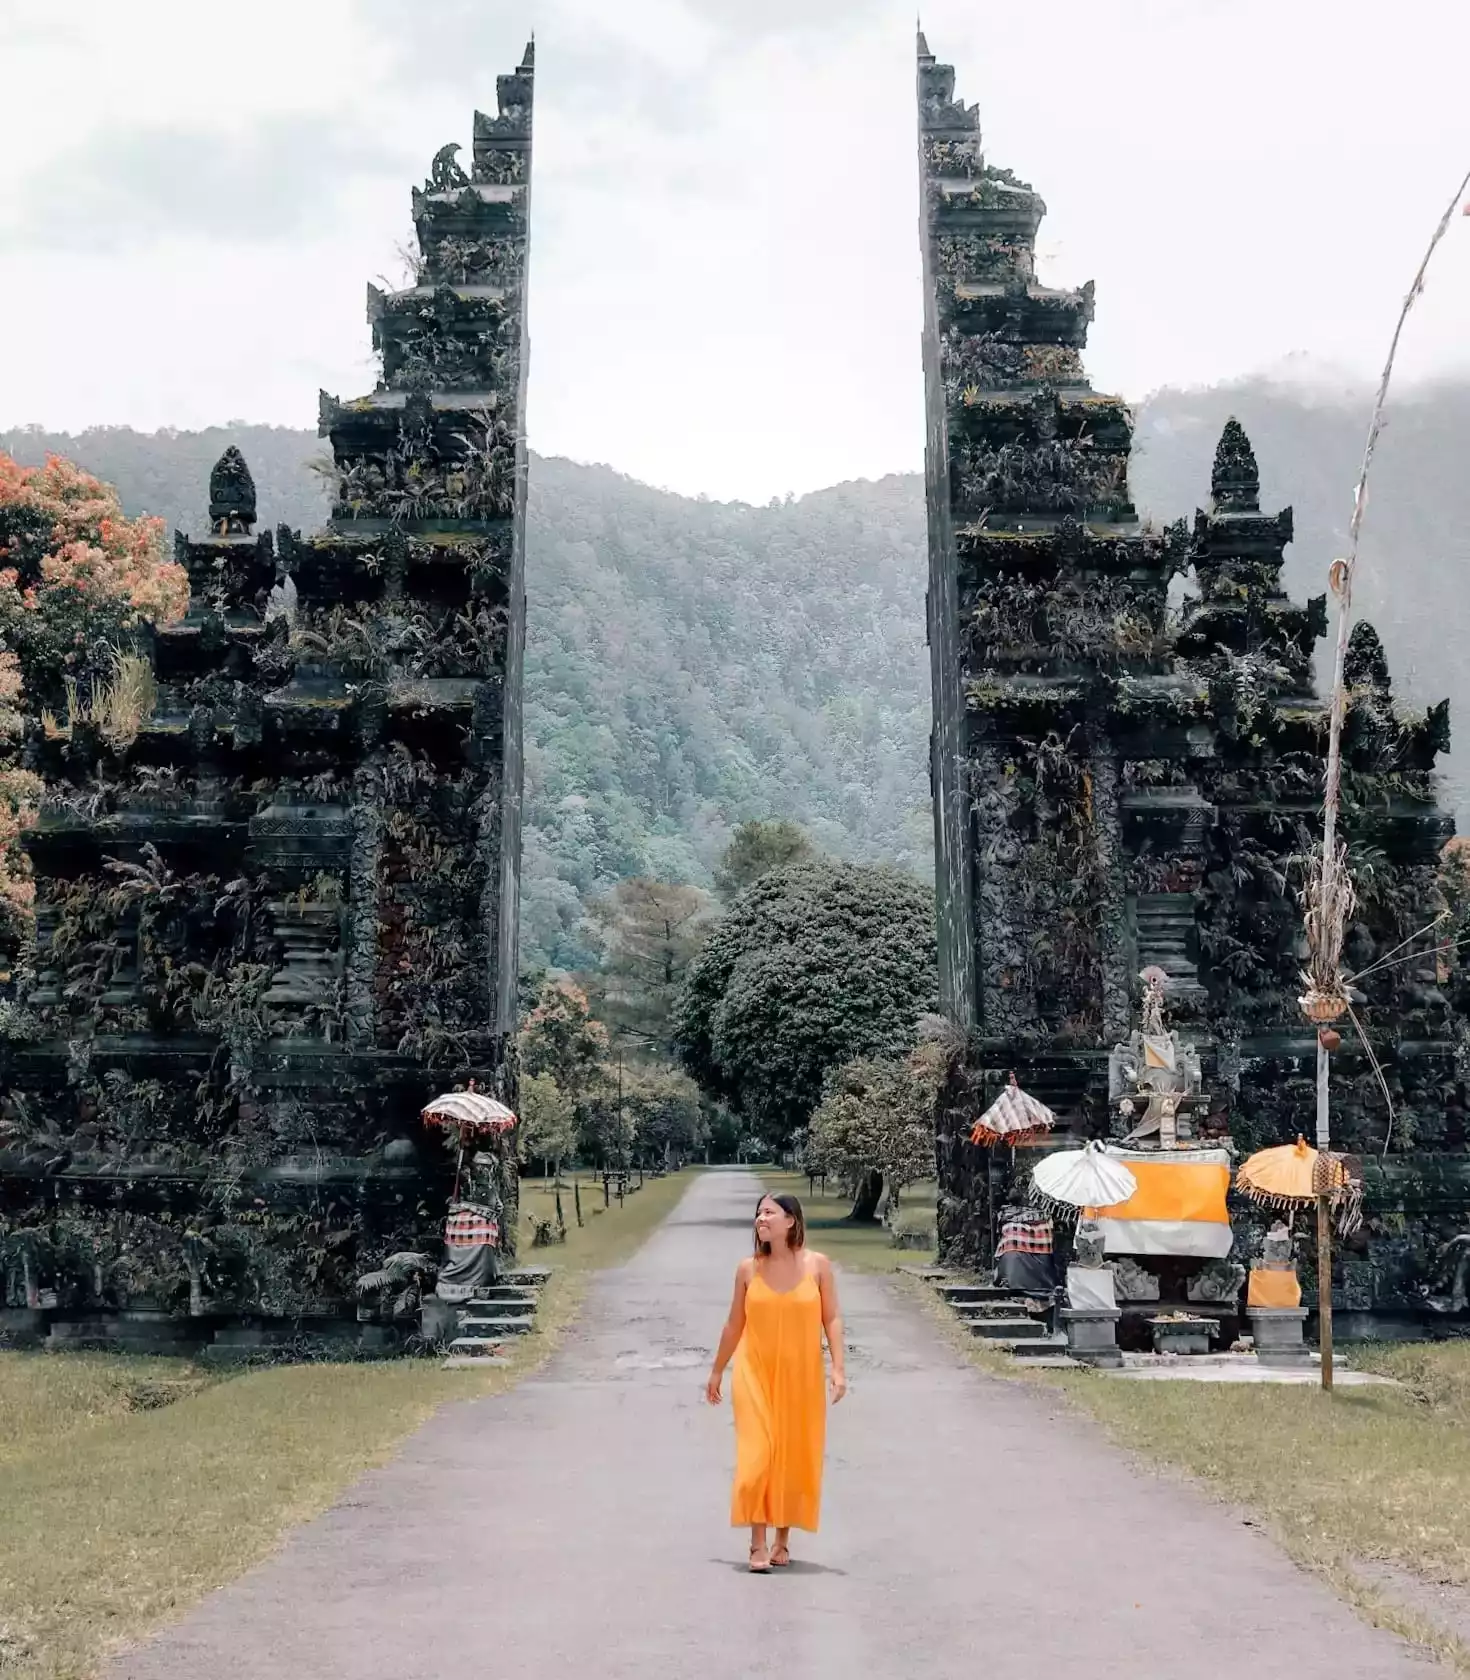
1325,928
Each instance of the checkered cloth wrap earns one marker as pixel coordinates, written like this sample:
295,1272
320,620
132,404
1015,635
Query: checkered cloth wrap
469,1226
1025,1236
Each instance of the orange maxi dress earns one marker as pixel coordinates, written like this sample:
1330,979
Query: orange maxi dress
780,1398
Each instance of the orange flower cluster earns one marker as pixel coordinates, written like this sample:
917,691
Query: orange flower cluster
76,574
106,560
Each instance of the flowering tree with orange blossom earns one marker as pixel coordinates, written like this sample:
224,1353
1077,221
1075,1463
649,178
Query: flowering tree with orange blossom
79,581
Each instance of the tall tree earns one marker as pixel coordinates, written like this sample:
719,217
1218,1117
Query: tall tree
648,932
560,1037
814,965
667,1113
547,1116
874,1127
755,849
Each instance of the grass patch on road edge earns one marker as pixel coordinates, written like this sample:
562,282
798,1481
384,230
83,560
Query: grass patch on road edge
1376,1475
132,1487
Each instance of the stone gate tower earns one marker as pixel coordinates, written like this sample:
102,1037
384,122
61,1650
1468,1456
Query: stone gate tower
1119,786
279,914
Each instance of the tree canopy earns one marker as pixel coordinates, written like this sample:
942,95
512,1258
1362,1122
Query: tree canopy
757,847
815,964
876,1122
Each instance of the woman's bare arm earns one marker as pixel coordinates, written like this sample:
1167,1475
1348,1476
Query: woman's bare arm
832,1324
734,1329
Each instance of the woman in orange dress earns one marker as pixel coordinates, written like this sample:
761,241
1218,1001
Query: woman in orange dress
785,1298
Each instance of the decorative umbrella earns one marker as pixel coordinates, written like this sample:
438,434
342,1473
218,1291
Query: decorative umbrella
1293,1175
1073,1179
1013,1118
471,1112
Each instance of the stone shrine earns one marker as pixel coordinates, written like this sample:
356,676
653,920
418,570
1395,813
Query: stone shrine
1120,785
283,915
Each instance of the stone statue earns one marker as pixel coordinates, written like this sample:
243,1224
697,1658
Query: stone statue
1277,1247
1216,1280
1454,1273
445,175
1159,1072
1133,1282
1087,1246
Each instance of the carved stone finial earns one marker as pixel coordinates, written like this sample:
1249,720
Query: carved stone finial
231,495
1235,483
445,175
1366,664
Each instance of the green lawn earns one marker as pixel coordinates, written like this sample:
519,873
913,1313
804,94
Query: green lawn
865,1248
131,1487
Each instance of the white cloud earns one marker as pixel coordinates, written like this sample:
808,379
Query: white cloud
725,262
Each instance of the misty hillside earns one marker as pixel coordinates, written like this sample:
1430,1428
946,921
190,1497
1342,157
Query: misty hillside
693,663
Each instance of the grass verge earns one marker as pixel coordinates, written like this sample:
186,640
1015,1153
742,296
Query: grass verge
865,1248
132,1487
1376,1476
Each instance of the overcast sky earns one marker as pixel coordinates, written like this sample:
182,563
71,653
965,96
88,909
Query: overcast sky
725,274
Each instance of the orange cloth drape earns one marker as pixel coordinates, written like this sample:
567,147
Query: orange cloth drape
1269,1287
1170,1188
780,1398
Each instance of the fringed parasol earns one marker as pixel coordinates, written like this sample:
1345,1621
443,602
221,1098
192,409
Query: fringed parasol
1013,1118
1293,1175
1074,1179
473,1113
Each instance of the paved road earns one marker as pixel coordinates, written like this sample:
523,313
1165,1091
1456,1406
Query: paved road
576,1526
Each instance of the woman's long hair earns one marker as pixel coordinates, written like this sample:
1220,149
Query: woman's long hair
796,1236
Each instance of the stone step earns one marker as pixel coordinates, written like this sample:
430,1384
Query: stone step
487,1324
1009,1329
1011,1306
1053,1362
955,1293
526,1277
504,1306
1030,1347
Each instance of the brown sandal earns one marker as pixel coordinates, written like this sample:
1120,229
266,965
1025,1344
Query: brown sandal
760,1568
781,1557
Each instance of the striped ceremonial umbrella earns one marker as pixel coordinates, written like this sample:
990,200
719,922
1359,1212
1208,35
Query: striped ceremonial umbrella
1013,1118
471,1112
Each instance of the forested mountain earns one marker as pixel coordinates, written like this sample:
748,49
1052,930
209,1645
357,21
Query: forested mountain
694,663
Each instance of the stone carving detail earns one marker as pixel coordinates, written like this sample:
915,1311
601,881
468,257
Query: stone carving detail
1217,1281
1133,1282
231,495
445,175
1235,482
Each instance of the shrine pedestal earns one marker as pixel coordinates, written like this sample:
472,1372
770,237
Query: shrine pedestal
1277,1332
1092,1334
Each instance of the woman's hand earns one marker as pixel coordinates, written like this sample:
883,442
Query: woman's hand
837,1385
712,1388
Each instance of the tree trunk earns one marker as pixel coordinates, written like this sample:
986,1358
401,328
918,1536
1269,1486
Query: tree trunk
865,1202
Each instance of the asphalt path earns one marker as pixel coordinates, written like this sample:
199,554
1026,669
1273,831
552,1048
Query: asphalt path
577,1525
